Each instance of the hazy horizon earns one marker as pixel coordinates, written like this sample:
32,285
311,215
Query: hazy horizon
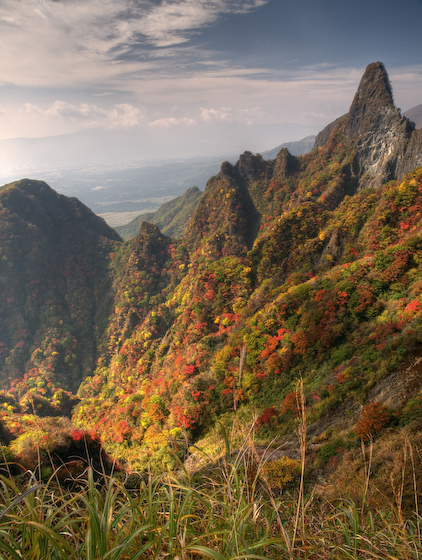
128,80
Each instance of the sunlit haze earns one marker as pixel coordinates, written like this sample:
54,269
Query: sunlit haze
130,80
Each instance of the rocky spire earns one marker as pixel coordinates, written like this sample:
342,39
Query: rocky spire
386,144
375,127
373,98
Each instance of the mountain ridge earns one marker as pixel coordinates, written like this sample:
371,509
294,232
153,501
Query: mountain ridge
172,217
54,254
292,267
263,233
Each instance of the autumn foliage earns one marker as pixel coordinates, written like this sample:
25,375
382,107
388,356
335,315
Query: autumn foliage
278,275
374,417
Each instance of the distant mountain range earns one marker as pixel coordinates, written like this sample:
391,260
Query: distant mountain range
297,148
135,146
415,115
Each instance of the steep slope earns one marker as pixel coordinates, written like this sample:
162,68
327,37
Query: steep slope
226,219
288,267
171,217
54,285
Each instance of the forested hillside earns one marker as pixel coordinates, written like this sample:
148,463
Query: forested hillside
299,267
55,289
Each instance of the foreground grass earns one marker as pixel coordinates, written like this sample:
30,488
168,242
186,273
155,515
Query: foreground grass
228,513
240,507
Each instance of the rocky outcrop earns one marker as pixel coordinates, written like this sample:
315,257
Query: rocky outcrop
373,100
376,128
333,250
285,165
225,217
251,167
412,156
386,143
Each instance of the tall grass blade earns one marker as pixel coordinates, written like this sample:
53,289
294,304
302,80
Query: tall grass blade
20,498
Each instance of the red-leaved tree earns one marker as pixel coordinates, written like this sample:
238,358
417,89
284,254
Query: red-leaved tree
374,417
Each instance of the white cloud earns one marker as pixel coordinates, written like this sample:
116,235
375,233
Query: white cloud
204,98
170,23
173,121
77,42
310,96
210,98
209,115
10,20
229,114
88,115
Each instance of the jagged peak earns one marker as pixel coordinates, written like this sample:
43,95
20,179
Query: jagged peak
149,244
227,170
250,166
374,88
373,99
374,95
385,142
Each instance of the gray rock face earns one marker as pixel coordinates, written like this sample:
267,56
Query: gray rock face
376,128
412,156
285,165
386,144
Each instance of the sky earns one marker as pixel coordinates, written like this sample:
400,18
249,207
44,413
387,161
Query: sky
196,77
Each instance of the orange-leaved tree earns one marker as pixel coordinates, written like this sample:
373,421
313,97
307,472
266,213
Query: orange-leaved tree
374,417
